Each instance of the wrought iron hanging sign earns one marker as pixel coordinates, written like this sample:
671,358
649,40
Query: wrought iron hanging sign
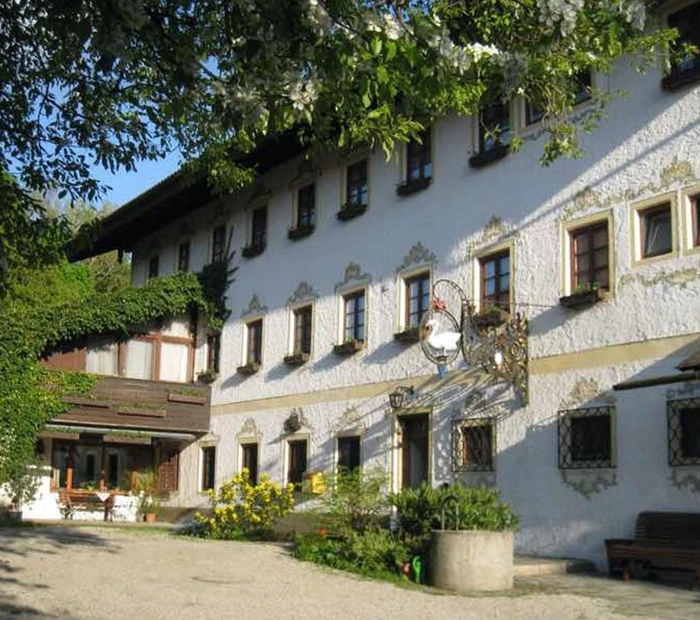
494,341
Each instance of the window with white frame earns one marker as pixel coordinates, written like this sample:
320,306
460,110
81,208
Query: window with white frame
254,339
303,329
654,222
208,480
348,453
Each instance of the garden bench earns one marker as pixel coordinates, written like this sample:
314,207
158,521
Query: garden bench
663,541
74,500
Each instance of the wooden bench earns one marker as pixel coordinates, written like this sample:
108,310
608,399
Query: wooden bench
663,542
75,500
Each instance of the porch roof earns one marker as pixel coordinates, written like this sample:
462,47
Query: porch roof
105,430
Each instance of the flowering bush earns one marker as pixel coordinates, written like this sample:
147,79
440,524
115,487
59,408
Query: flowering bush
241,509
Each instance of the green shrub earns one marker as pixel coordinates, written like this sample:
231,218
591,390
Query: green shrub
374,552
355,501
241,509
419,511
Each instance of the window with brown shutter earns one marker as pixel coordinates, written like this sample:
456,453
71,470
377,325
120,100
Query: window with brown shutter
303,329
417,295
495,281
254,337
590,260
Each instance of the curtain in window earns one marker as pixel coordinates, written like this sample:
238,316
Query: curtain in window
174,360
102,358
139,356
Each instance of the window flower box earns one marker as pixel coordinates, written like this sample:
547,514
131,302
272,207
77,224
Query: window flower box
411,186
495,153
253,250
408,336
491,317
248,369
207,376
300,231
582,299
349,211
348,348
190,399
296,359
679,79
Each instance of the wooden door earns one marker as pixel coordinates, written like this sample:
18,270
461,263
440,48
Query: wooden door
414,450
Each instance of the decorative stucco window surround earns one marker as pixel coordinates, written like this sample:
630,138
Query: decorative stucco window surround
690,220
639,229
474,444
478,257
419,260
683,444
249,435
587,438
204,446
354,282
571,226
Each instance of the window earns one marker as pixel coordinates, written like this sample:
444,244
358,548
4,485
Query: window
153,267
302,329
354,317
348,453
254,342
297,462
473,444
684,432
583,83
183,257
258,233
208,468
213,352
590,257
687,22
139,359
695,219
495,281
249,460
306,206
417,298
356,194
419,163
218,245
656,231
585,438
494,127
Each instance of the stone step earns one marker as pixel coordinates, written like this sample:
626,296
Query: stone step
532,566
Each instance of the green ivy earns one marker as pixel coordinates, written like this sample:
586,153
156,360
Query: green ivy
55,308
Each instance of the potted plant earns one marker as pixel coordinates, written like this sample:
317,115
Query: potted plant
145,486
348,347
408,335
22,485
466,532
490,316
585,295
296,359
207,376
248,369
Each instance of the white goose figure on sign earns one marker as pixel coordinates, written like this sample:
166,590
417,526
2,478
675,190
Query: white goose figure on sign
445,342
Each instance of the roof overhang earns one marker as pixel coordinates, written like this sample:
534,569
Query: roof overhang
106,430
172,198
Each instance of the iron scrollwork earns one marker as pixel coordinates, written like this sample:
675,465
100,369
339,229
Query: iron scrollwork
499,350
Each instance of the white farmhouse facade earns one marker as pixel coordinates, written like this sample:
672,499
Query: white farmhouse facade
578,460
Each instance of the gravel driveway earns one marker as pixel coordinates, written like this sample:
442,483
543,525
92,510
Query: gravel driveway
100,573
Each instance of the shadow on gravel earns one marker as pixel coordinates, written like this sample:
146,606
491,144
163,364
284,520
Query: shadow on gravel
21,612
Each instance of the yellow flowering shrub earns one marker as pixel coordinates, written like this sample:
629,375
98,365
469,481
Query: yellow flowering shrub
240,508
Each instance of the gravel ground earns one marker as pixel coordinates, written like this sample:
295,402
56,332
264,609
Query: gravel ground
99,573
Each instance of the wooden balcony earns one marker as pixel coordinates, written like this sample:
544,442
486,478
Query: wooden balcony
144,405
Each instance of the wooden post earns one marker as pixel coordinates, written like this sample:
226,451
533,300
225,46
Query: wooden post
103,474
69,469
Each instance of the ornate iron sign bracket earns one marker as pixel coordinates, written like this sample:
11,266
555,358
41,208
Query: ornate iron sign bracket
496,343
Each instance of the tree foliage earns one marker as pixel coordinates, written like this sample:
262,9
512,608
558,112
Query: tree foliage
113,82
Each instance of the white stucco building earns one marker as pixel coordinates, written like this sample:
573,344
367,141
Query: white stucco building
346,248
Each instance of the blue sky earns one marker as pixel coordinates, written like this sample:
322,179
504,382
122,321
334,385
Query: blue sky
128,185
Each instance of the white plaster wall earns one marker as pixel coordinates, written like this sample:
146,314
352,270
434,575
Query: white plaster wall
647,146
